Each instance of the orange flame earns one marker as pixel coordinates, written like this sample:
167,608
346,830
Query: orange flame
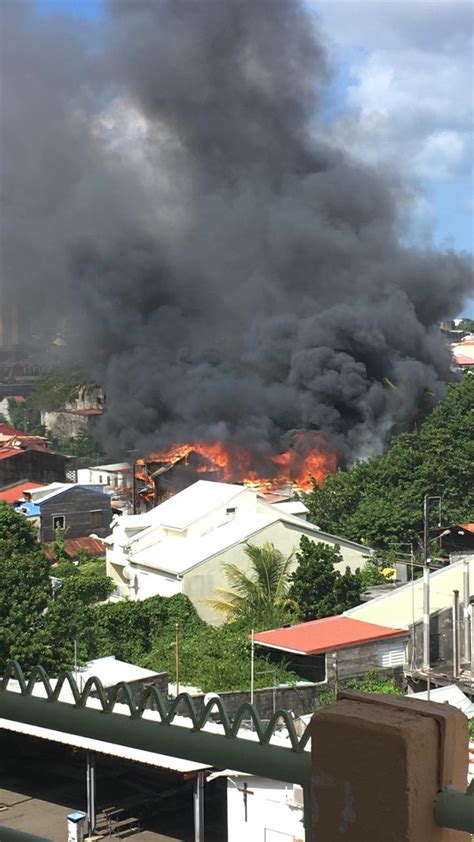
308,458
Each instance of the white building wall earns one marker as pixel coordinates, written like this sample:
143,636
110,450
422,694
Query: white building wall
404,605
201,582
271,814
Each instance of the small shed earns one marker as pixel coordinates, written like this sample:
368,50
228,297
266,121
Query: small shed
354,645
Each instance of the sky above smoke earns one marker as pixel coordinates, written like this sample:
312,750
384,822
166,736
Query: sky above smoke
176,201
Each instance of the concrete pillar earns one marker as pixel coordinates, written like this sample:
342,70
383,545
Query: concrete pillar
377,765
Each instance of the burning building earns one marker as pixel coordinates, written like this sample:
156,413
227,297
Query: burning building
227,271
164,473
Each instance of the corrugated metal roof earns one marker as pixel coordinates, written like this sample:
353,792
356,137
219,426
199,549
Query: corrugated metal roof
73,546
15,492
325,635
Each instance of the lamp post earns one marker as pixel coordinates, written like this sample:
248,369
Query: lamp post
426,580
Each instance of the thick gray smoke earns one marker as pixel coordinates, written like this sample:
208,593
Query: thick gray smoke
224,273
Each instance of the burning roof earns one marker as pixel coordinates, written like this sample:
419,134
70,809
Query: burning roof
167,471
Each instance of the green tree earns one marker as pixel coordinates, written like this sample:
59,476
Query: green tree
258,597
26,587
316,587
70,618
379,502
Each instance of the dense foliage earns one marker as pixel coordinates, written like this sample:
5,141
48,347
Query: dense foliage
380,502
25,590
44,606
317,587
53,611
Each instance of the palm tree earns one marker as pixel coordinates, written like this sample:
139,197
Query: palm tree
260,595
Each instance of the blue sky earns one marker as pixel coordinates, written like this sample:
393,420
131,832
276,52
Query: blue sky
401,97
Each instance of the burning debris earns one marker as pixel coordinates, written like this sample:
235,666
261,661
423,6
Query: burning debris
225,274
167,472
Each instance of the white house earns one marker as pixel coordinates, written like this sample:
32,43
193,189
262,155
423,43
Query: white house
113,477
182,545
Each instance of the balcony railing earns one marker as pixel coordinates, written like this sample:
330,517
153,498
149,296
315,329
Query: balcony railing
115,718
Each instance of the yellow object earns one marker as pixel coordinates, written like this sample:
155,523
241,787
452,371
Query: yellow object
389,573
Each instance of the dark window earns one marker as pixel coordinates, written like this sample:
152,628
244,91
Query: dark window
97,519
59,522
231,511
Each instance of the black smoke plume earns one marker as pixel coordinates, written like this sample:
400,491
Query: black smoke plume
170,204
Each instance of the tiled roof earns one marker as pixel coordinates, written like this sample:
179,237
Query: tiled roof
15,491
325,635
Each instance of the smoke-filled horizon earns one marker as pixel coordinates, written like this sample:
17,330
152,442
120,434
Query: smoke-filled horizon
170,202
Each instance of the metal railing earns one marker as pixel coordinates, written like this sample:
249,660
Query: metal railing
164,735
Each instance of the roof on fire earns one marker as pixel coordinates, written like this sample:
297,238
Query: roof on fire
325,635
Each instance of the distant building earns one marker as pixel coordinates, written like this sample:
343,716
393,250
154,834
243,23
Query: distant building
78,416
182,545
81,511
24,455
112,478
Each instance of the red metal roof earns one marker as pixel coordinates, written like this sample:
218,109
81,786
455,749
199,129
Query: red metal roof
16,491
93,545
8,452
325,635
463,359
6,430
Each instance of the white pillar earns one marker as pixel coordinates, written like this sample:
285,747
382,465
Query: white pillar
466,614
426,616
199,807
91,810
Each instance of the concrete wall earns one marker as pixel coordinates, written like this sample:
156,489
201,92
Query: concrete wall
66,425
300,698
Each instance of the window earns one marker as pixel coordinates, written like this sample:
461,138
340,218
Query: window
100,479
59,522
231,511
97,519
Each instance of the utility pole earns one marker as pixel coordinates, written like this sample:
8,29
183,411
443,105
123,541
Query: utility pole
456,652
466,614
252,666
177,659
426,579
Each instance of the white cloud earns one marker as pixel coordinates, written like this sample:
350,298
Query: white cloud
410,99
